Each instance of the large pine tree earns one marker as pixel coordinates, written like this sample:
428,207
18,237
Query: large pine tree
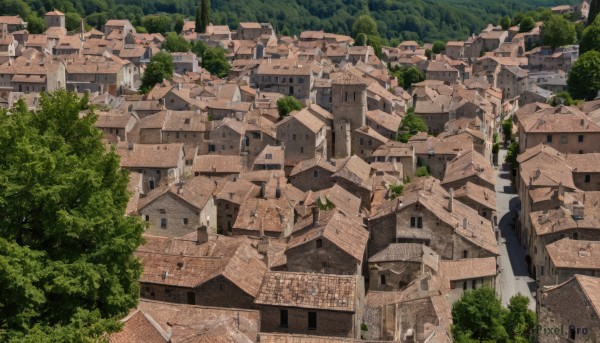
67,269
198,27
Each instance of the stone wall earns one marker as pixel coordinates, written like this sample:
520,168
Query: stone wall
329,323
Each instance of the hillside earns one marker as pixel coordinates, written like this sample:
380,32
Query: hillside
425,20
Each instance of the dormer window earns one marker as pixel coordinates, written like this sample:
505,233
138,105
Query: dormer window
186,121
269,156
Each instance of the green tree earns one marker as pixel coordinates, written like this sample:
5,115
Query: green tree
160,68
478,315
204,15
412,75
558,31
361,39
396,190
198,22
562,98
590,38
410,125
364,24
505,22
438,47
520,322
594,9
429,54
140,29
176,43
66,246
527,24
157,24
288,104
72,21
507,129
422,171
584,79
178,27
511,155
213,59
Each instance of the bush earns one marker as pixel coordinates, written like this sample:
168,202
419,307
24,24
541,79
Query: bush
422,171
496,148
511,155
288,104
396,190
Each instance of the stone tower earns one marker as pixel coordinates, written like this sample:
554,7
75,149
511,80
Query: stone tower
55,19
349,108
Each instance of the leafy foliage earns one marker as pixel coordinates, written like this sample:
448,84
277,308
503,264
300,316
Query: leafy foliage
407,76
420,20
558,31
562,97
478,316
176,43
505,22
327,206
520,322
157,24
213,59
422,171
507,129
160,68
396,190
66,246
584,79
590,38
511,155
594,9
438,47
411,125
288,104
527,24
204,15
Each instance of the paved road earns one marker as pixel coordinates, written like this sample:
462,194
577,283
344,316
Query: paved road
514,277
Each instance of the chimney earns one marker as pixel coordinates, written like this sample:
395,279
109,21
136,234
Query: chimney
561,190
578,209
465,223
316,214
262,246
451,200
201,234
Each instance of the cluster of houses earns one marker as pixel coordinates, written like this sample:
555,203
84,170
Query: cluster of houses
320,226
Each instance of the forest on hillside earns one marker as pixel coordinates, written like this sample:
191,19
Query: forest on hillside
423,20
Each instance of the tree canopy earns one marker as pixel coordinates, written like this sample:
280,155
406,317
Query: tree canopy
288,104
438,47
176,43
410,125
204,15
160,68
527,24
590,37
213,59
505,22
558,31
407,76
478,316
66,246
584,79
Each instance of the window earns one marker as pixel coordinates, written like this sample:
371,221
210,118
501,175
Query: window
158,171
587,178
575,235
312,320
563,139
474,284
580,152
283,318
484,214
324,264
361,141
191,298
302,150
294,137
465,254
346,96
176,134
162,211
315,173
464,285
185,221
319,243
549,139
382,279
163,223
416,222
147,218
580,138
268,156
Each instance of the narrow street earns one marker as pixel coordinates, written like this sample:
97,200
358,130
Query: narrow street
513,277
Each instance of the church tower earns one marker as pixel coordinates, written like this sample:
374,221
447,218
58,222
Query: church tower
349,108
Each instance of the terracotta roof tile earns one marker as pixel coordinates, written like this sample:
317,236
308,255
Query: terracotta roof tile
468,268
314,291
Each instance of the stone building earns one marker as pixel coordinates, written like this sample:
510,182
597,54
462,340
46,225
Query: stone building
329,242
181,208
469,273
158,163
313,175
396,152
427,214
399,264
311,304
229,199
569,311
479,198
469,166
217,271
567,257
349,108
304,137
227,138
